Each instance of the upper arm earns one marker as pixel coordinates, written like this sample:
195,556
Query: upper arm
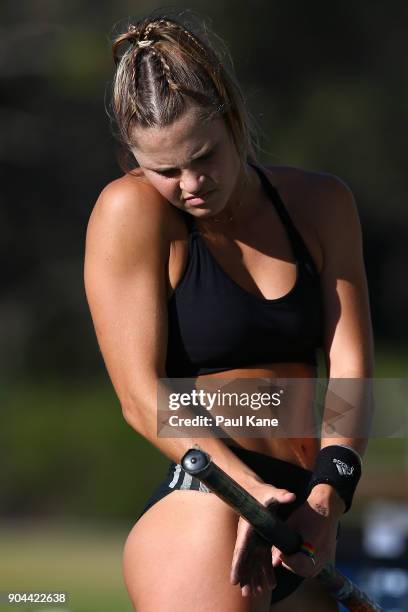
125,283
348,341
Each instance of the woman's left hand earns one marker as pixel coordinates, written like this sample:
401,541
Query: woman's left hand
317,522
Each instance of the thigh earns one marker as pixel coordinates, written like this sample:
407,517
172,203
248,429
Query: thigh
178,557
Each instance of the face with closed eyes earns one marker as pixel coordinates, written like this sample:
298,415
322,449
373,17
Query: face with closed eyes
193,163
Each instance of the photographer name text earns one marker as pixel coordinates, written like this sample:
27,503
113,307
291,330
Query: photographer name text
207,421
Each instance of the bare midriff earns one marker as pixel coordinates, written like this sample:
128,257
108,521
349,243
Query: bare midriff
296,448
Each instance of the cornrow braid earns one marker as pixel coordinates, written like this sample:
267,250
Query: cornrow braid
166,70
147,31
155,52
135,34
133,30
155,83
178,26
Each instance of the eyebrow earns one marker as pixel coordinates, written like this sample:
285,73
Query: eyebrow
194,158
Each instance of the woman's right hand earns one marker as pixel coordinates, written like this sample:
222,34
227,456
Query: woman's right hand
252,558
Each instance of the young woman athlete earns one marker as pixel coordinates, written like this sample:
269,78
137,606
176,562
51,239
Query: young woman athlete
202,263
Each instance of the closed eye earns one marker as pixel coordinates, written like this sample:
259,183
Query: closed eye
173,172
167,173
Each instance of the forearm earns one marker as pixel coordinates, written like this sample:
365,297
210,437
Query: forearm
346,422
141,415
348,410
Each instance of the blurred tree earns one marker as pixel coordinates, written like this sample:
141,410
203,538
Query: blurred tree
326,84
327,89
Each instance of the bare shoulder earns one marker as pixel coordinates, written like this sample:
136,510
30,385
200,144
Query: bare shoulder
130,208
132,199
319,200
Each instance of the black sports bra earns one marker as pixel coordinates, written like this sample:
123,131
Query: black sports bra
214,324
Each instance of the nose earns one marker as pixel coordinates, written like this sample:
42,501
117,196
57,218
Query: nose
191,182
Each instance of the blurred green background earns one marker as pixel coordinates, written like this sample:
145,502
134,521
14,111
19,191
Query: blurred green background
328,88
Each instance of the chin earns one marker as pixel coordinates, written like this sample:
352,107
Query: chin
216,210
201,213
209,212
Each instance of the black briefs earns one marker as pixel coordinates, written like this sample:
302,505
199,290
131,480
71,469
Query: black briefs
273,471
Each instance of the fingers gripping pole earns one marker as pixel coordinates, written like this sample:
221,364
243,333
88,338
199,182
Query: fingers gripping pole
277,533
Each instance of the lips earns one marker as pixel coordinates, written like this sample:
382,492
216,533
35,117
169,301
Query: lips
198,197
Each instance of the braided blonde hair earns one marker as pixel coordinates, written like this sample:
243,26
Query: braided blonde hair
163,70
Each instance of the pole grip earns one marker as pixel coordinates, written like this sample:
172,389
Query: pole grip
277,533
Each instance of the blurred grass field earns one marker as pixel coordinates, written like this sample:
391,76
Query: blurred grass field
71,488
81,559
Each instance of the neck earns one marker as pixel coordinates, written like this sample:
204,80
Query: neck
240,206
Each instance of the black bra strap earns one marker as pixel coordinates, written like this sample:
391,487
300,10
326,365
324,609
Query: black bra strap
300,249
